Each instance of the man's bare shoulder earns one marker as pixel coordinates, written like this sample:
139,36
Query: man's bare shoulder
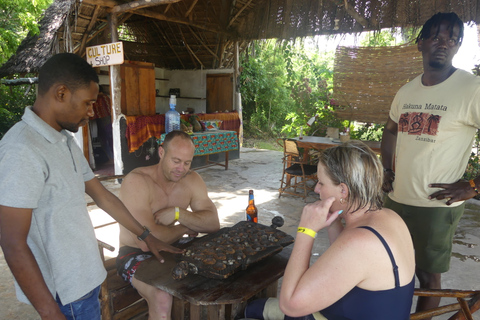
192,177
141,175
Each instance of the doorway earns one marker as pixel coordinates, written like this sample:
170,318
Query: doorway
219,92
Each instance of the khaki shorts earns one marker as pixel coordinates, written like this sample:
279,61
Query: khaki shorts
432,231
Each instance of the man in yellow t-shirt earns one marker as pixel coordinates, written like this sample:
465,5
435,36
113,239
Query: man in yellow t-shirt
427,141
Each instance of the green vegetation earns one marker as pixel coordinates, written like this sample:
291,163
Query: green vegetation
19,17
283,85
13,101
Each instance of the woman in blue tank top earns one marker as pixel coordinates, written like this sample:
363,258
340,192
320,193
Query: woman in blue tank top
367,273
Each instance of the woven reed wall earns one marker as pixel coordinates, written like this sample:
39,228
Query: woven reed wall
366,79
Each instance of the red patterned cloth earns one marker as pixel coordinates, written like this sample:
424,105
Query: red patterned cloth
102,107
142,128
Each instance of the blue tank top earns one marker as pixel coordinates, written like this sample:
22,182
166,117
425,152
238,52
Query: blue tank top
361,304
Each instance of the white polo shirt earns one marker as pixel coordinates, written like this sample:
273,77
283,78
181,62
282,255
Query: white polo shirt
45,170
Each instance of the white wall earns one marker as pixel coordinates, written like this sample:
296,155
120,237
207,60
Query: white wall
192,85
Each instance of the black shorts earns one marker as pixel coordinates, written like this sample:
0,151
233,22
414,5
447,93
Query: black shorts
128,260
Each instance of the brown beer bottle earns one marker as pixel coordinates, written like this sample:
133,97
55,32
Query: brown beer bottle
251,211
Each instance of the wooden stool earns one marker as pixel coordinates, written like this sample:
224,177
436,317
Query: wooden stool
118,299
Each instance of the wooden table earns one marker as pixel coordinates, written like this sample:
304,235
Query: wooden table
198,297
321,143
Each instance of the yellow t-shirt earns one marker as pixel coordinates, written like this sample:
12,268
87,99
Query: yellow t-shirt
436,128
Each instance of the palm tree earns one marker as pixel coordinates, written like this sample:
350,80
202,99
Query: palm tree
432,119
403,121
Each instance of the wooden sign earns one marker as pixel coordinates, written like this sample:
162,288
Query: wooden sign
105,54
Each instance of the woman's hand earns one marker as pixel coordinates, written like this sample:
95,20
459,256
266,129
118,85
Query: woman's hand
317,215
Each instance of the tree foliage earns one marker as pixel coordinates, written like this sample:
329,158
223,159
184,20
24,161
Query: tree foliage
13,101
19,17
283,85
264,91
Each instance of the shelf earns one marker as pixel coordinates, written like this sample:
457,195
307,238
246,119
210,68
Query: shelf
183,97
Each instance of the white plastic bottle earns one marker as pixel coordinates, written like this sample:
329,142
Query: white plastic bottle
172,117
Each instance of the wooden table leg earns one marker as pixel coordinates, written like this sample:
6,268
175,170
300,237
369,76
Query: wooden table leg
195,312
271,290
178,308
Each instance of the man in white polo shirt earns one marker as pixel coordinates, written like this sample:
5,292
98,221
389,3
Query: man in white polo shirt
46,233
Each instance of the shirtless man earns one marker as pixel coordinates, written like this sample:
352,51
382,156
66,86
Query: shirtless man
158,196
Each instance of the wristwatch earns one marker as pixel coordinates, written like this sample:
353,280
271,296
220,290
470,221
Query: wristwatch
144,234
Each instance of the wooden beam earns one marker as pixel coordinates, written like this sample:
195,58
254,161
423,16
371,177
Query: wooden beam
135,5
191,8
19,81
162,17
203,43
239,12
89,28
169,44
102,3
189,49
94,34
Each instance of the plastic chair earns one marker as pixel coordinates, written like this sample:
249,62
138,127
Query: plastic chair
297,168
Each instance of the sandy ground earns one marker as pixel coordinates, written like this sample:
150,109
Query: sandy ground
260,170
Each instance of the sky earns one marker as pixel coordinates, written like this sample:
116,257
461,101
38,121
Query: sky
467,57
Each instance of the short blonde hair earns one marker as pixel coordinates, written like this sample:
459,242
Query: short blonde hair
356,165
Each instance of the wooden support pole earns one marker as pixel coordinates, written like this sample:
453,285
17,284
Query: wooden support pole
116,96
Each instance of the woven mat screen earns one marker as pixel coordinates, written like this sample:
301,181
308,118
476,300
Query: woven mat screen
366,79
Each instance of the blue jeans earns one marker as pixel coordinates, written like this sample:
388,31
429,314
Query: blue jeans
85,308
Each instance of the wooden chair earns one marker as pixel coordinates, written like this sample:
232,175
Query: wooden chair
297,168
464,308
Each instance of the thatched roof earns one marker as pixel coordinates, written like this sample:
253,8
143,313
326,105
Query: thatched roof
192,34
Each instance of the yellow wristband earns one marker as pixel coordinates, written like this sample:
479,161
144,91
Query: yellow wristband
177,213
307,231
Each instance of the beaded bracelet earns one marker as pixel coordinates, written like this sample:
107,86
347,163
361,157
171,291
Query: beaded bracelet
473,185
177,213
307,231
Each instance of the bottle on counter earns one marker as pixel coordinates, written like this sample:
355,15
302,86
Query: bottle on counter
172,117
251,211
